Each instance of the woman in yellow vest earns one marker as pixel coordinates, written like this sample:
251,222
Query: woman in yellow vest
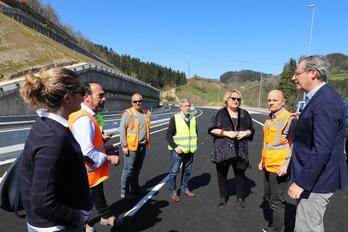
182,142
231,129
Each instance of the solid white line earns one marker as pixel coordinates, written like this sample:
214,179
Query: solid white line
258,122
7,161
12,148
148,196
1,178
28,128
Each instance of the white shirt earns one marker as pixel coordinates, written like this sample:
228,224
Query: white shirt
83,131
43,113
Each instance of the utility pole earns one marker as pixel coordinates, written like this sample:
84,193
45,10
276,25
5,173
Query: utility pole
260,91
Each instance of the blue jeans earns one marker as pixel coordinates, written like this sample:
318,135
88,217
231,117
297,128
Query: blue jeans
132,163
187,160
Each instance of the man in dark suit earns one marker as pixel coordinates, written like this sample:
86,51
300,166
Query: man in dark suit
318,167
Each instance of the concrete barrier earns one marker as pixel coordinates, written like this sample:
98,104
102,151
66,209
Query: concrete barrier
118,87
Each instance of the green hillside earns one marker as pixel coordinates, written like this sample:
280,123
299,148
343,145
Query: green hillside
22,48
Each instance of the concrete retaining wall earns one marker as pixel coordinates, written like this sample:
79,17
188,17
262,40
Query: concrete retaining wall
118,87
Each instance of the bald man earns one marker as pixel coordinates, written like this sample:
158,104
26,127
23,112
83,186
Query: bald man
276,153
134,135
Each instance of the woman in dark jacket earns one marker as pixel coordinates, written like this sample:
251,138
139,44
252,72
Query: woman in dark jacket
54,182
231,128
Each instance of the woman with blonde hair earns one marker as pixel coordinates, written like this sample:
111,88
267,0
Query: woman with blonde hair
54,181
231,129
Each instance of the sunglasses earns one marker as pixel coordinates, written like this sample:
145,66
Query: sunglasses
235,98
138,101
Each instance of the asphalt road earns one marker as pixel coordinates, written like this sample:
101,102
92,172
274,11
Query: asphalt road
160,214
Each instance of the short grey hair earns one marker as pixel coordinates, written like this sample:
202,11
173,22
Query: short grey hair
184,100
319,63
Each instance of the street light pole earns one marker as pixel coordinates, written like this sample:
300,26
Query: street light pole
312,6
260,89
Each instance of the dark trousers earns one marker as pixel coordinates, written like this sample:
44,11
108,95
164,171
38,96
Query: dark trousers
98,199
222,171
275,193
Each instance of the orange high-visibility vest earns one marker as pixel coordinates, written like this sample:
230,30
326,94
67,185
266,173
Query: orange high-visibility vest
275,149
100,174
133,129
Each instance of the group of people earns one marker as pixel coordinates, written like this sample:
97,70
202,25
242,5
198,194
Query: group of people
66,158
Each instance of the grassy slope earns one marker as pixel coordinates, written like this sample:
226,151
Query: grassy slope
341,76
22,48
203,92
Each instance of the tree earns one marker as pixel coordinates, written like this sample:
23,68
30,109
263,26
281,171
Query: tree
287,86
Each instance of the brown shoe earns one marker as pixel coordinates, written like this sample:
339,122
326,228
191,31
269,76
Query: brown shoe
175,197
190,194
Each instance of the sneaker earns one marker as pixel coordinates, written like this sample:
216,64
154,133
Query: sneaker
108,221
89,228
123,195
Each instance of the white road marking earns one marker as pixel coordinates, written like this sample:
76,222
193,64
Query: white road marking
148,196
258,122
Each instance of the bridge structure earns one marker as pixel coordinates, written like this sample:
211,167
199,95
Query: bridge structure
118,87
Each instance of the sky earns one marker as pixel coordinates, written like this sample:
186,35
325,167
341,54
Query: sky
210,37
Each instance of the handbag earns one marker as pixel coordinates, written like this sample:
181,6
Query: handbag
10,189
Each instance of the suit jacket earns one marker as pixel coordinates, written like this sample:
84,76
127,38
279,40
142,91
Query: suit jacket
318,162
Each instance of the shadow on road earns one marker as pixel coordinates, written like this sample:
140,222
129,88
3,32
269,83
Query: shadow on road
199,181
145,218
249,184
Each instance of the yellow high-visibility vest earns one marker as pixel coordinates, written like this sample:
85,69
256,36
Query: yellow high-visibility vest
275,148
185,137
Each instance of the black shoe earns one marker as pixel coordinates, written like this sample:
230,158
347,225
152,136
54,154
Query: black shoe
240,203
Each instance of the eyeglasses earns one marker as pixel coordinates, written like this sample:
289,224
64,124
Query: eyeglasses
235,98
137,101
299,73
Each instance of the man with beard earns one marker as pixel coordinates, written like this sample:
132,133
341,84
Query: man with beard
86,130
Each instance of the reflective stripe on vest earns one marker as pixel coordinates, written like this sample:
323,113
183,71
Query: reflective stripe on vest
133,129
275,149
185,137
95,176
